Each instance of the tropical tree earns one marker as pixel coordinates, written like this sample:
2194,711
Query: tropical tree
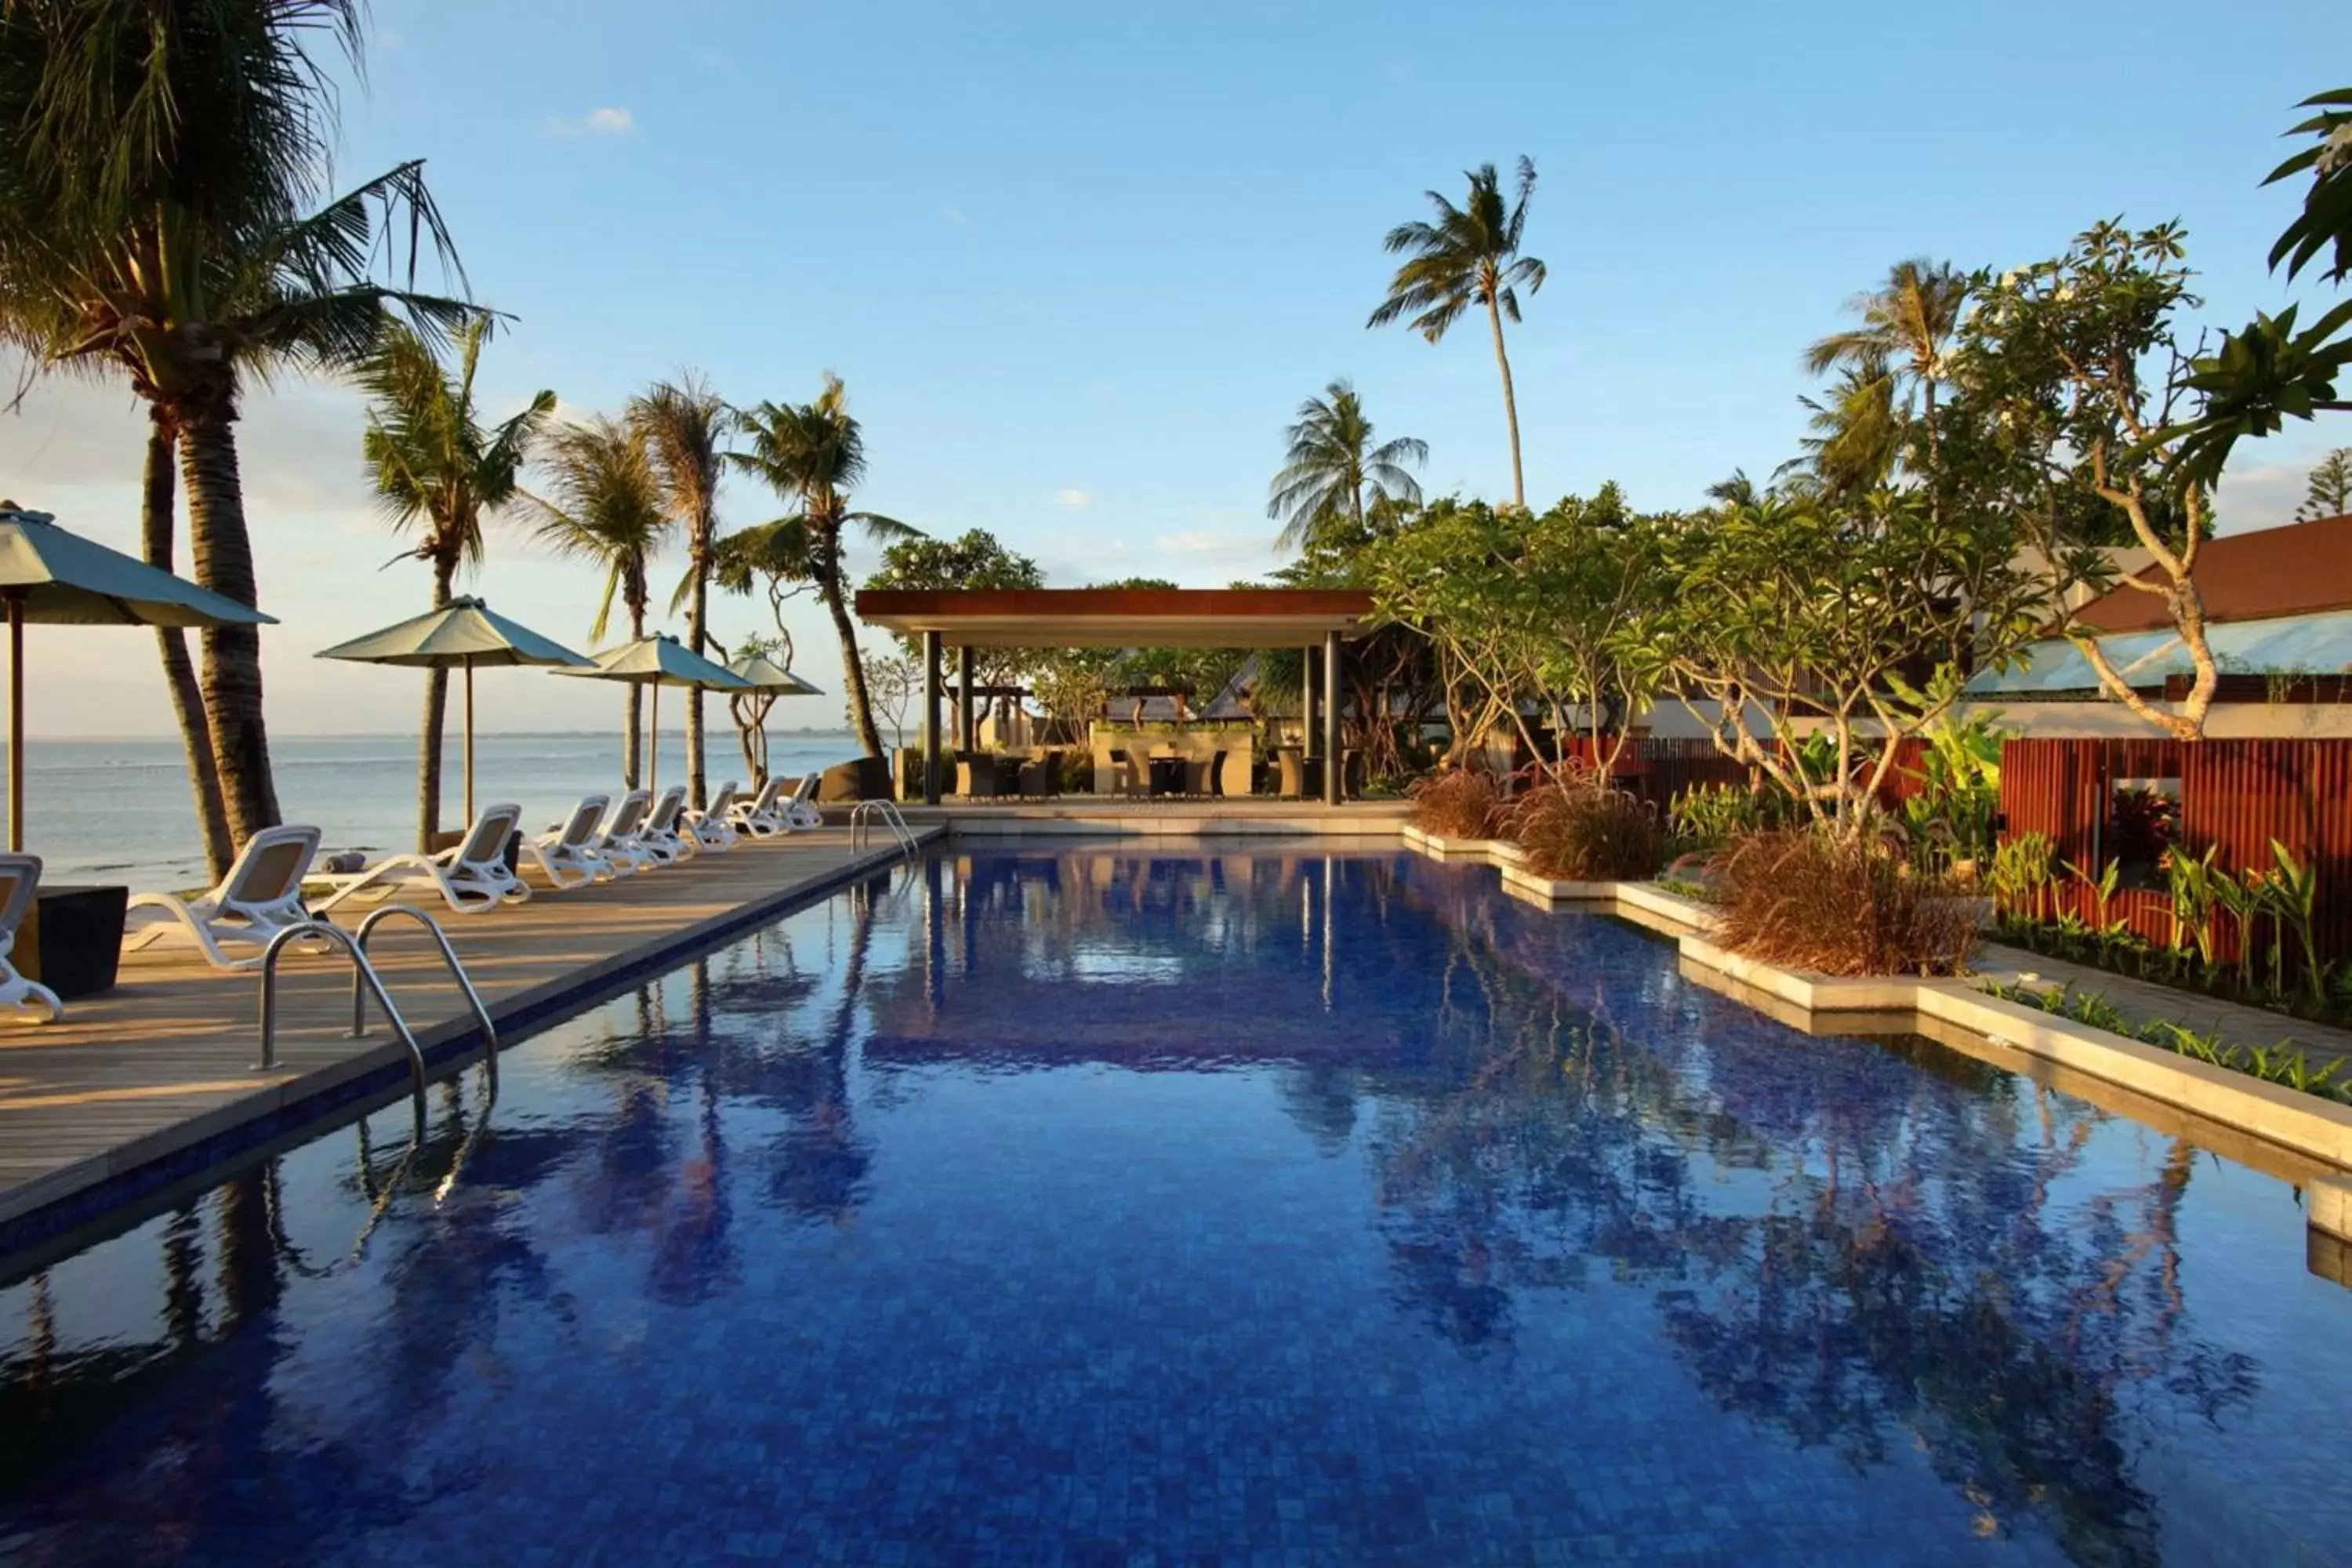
770,558
438,471
2328,491
813,455
1331,468
976,559
1908,328
1858,432
159,159
2077,391
606,507
684,424
1470,255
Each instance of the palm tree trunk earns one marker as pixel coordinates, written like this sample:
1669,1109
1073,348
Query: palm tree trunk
155,528
633,746
437,713
853,668
698,606
1510,406
232,667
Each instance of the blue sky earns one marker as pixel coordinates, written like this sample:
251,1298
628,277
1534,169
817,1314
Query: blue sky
1078,264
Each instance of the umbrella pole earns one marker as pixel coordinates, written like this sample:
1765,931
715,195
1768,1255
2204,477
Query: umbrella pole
653,743
469,740
16,724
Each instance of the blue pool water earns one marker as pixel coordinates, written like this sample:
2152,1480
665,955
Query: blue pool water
1107,1206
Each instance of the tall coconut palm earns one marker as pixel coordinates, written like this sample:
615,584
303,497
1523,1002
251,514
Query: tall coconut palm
605,505
438,470
1857,440
814,454
157,158
1330,466
1470,255
1907,326
684,425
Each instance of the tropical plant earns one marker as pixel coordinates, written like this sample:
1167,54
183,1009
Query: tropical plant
2076,385
1959,798
894,679
2276,1063
1709,816
1800,614
1857,436
1470,255
606,508
2329,491
1580,831
1331,470
2193,884
2290,892
157,167
1541,617
770,558
438,471
1808,899
682,423
2021,875
813,455
750,709
1460,803
1906,332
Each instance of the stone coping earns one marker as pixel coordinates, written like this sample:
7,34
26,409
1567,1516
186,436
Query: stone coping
2318,1129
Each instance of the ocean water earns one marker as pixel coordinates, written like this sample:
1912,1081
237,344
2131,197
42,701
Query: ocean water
119,811
1104,1205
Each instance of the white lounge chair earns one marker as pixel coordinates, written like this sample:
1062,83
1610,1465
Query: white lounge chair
713,834
20,879
660,837
761,816
471,878
261,896
568,856
616,841
800,812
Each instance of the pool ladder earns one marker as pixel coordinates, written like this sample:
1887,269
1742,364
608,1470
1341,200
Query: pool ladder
861,823
364,981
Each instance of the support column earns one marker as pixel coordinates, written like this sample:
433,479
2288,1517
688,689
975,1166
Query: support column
1307,705
967,724
930,717
1335,757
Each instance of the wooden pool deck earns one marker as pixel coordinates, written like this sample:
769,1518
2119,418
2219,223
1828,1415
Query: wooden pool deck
165,1061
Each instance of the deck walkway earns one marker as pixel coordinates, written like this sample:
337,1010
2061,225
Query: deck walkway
2144,1002
165,1059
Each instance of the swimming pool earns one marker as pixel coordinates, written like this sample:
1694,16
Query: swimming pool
1106,1205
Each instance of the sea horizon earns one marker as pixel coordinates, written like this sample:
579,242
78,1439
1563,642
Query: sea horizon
119,810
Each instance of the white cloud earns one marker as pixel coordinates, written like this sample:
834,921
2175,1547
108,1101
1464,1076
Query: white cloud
951,213
1073,499
605,121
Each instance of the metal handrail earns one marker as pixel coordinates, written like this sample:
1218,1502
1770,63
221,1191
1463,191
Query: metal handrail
363,973
456,973
861,819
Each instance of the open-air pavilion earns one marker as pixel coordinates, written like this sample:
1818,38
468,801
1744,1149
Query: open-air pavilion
1319,621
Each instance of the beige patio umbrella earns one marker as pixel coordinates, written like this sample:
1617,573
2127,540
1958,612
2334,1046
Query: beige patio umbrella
658,661
763,674
58,578
462,634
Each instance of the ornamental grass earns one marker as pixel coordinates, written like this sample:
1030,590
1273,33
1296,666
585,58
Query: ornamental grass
1807,900
1583,832
1463,803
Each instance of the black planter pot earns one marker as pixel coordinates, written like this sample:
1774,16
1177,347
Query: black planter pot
72,939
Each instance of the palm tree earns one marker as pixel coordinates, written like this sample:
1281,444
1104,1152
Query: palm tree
1470,255
1906,328
608,509
1331,464
1856,444
156,160
437,469
682,423
814,454
2329,491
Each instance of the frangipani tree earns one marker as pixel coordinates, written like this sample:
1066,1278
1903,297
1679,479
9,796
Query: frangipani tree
1851,620
1550,614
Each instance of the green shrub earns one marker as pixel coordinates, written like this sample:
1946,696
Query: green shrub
1804,899
1581,832
2276,1063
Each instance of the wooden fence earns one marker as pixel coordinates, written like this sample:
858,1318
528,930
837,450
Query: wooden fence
2237,795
